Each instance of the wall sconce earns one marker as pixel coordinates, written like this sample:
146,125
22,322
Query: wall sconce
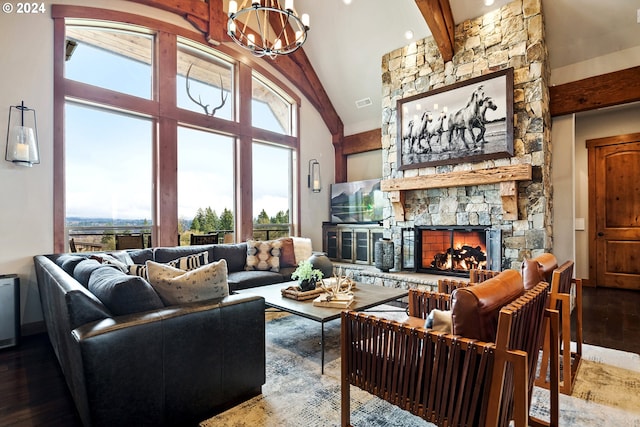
22,136
313,179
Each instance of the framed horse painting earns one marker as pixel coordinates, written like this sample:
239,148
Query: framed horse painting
464,122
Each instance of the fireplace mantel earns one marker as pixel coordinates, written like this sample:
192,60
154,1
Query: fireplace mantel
507,176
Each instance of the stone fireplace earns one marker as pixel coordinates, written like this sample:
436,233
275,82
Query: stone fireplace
518,204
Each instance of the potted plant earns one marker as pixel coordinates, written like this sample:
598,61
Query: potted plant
307,276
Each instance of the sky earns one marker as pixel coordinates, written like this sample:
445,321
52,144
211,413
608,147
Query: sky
108,154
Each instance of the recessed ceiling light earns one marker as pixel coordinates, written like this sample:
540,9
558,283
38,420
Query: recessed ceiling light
488,2
408,34
346,1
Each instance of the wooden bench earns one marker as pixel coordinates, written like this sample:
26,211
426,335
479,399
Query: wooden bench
448,379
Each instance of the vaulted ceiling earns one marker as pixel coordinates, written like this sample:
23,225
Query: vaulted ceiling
346,42
339,67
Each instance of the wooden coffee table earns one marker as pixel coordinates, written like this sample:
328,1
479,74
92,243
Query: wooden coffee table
366,297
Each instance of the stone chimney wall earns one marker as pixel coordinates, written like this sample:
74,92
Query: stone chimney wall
511,37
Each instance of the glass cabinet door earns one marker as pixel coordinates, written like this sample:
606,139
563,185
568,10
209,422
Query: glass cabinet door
362,246
346,245
332,244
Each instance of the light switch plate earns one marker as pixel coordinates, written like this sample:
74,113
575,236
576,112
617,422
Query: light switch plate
579,225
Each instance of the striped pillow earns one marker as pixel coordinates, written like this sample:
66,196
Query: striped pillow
187,263
190,262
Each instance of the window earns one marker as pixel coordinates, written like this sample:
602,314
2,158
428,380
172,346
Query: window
271,191
111,59
108,174
205,182
209,86
271,111
139,148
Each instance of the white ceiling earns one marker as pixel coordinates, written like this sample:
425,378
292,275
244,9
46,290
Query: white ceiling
346,42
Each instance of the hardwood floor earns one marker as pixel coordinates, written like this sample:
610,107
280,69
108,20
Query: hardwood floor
33,391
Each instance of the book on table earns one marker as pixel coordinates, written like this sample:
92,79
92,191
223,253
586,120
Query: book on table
335,301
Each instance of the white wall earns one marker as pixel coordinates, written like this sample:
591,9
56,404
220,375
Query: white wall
26,215
562,174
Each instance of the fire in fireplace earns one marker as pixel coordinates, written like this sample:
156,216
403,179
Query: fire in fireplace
456,250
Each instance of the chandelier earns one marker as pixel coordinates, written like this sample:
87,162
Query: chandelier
267,29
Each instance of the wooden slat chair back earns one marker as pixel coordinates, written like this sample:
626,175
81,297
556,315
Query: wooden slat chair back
422,302
447,379
479,276
129,241
204,239
447,286
560,299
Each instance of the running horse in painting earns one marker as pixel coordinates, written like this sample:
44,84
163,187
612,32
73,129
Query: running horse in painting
479,122
463,120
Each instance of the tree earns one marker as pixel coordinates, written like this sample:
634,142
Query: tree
225,222
281,217
210,220
198,221
263,218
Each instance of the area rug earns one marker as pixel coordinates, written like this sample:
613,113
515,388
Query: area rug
607,389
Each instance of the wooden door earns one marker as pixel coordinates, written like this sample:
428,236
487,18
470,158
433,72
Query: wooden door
614,211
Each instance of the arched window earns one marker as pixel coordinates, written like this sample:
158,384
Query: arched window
156,127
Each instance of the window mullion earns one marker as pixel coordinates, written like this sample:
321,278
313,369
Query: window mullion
166,143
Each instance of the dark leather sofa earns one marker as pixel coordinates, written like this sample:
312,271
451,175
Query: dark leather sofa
173,365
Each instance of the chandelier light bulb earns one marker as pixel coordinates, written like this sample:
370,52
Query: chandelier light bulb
288,5
233,7
252,41
277,45
305,20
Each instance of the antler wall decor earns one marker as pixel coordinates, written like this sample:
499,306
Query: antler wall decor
223,96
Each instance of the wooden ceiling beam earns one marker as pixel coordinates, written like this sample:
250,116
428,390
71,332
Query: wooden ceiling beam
439,18
606,90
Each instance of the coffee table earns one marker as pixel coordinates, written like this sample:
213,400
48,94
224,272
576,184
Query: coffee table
366,297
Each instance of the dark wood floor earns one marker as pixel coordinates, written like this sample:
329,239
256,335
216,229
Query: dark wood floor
33,391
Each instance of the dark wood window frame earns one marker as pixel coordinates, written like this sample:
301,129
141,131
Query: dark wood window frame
163,110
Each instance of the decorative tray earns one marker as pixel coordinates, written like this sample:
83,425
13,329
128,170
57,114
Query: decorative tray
292,292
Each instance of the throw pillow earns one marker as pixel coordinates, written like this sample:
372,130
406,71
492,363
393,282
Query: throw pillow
69,262
263,255
123,294
138,270
302,248
439,321
287,253
531,273
122,256
190,262
176,286
107,259
84,269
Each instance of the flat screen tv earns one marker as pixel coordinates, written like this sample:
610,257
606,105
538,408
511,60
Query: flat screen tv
357,201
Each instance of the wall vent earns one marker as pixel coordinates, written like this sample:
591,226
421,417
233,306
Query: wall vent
365,102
